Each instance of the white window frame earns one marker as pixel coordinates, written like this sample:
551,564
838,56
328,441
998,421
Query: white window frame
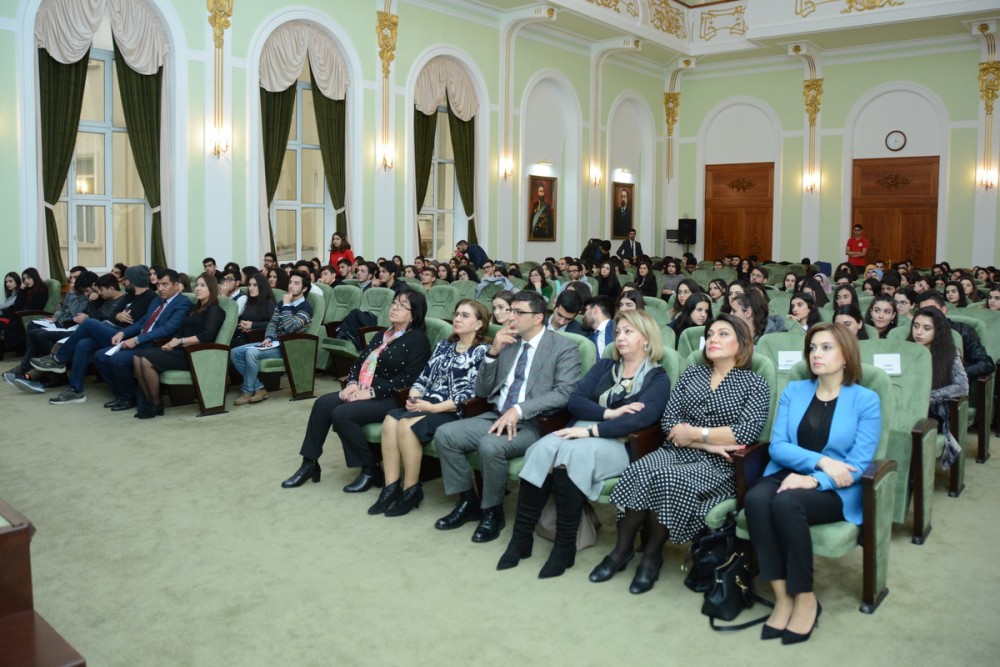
432,209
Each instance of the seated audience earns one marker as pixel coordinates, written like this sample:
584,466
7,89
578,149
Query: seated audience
597,314
630,299
802,310
851,317
882,314
697,312
563,318
256,314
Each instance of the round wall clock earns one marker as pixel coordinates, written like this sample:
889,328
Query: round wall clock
895,140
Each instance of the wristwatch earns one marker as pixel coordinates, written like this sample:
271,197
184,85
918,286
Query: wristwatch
704,435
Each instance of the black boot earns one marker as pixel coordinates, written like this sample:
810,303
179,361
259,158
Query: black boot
390,494
530,501
308,470
408,499
569,510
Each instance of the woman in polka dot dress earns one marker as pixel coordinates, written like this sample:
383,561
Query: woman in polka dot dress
714,409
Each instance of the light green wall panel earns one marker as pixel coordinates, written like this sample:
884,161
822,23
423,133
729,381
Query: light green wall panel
196,168
960,204
10,176
830,215
789,230
781,90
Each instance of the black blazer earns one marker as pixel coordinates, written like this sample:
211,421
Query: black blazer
399,364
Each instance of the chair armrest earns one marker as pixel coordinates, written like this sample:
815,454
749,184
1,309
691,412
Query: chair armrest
553,422
255,335
32,313
298,336
331,328
198,347
645,441
750,463
402,394
870,479
364,331
955,407
475,406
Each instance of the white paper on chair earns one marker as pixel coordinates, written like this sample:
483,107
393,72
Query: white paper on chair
788,358
62,341
701,343
274,344
890,363
114,349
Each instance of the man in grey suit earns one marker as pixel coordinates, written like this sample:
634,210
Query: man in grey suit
527,371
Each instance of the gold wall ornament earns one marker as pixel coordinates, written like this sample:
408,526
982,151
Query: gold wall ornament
667,19
989,84
893,181
812,95
741,184
867,5
607,4
386,29
713,21
219,13
671,107
804,8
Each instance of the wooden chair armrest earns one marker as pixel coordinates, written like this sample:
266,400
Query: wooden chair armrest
645,441
870,478
32,313
954,408
749,463
922,427
198,347
331,329
402,394
364,331
553,422
160,342
475,406
298,336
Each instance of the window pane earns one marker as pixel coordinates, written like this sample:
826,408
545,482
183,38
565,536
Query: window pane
310,135
90,243
313,186
117,112
425,223
125,181
312,233
429,195
293,132
442,236
61,212
90,163
286,182
446,187
285,235
93,92
130,233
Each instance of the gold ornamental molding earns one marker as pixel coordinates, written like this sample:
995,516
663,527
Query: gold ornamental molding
667,19
989,88
386,29
741,184
812,99
631,6
868,5
804,8
989,84
672,108
714,21
812,95
219,14
893,181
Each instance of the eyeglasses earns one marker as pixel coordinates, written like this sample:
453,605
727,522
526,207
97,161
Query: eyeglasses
517,312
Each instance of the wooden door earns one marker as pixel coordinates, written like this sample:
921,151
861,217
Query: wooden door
895,200
739,209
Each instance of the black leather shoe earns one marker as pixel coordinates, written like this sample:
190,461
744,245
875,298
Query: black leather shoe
390,493
608,567
150,411
490,525
463,512
362,483
645,577
409,499
111,403
121,406
308,470
767,632
789,637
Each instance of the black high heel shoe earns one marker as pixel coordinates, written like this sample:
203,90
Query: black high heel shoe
308,470
767,632
789,637
645,577
151,411
408,500
390,494
608,567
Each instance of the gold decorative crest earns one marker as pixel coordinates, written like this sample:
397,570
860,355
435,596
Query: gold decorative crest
741,184
893,181
219,13
667,19
386,31
812,95
804,8
865,5
671,107
989,84
714,21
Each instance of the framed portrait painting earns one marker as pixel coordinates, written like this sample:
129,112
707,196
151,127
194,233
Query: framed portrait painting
622,197
542,208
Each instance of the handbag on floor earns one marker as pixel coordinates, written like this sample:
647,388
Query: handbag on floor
732,591
586,534
708,550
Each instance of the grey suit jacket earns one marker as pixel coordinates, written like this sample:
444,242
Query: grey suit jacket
554,372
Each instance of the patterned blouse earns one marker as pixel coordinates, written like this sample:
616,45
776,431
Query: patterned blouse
450,375
741,402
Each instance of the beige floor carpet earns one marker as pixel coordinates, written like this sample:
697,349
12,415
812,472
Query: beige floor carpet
170,542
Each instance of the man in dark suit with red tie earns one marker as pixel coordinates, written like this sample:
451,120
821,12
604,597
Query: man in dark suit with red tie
527,371
161,321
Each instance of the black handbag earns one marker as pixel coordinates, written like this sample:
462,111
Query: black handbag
709,550
732,591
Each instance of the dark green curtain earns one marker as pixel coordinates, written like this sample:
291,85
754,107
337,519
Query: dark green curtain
60,94
276,111
424,129
331,125
141,98
463,144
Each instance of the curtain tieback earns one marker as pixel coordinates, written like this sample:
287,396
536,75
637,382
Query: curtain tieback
340,210
51,207
471,217
156,210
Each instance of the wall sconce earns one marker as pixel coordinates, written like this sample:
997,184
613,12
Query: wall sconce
506,168
595,175
986,178
219,13
81,185
810,182
386,157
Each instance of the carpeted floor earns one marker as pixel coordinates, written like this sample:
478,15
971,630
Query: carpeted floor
170,542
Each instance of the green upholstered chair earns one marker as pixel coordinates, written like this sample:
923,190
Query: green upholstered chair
703,277
878,481
668,336
54,290
466,289
441,302
374,300
692,338
981,390
784,349
493,330
518,283
413,284
209,365
437,330
298,354
658,310
778,303
527,265
913,437
343,299
486,296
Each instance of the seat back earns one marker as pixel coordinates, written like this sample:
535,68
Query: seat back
991,320
466,289
778,303
327,293
344,299
587,349
437,330
784,349
228,328
54,289
319,307
692,338
658,310
912,385
486,296
901,334
441,302
376,300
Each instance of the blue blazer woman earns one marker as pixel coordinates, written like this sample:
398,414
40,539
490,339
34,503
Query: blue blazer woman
854,436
